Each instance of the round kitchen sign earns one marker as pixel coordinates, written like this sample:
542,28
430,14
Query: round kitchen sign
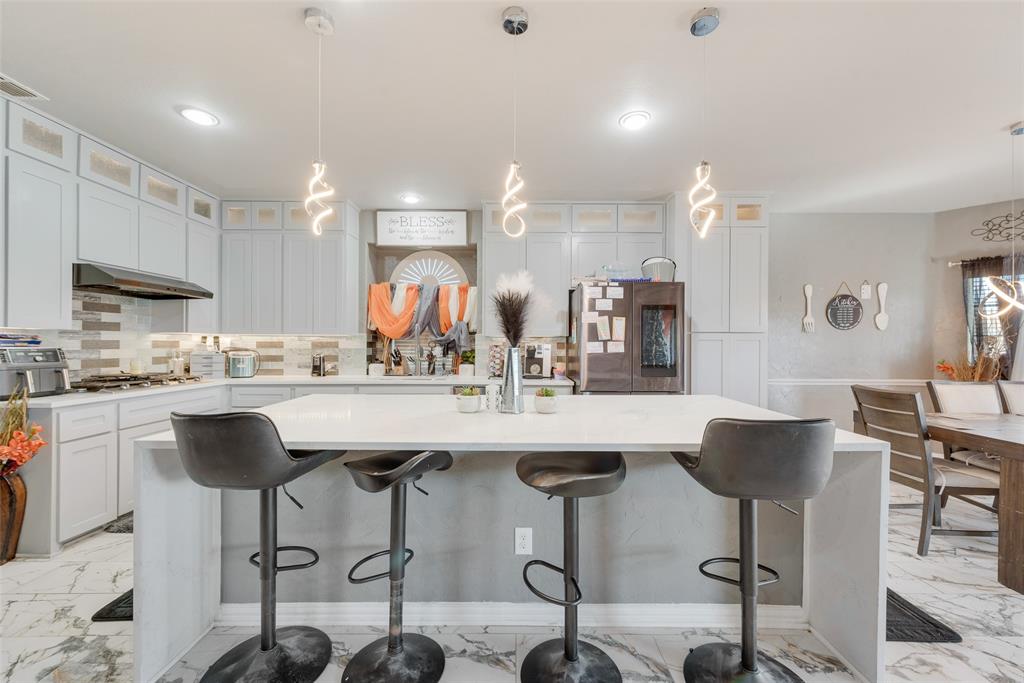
844,311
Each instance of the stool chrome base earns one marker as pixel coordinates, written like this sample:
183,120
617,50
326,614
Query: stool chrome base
420,661
300,656
720,662
546,663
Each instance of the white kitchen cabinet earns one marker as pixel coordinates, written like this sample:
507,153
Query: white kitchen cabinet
203,269
633,249
257,397
163,242
42,213
161,190
547,218
590,253
748,279
502,255
709,281
126,439
355,299
236,282
748,211
492,217
236,215
331,293
641,218
105,166
266,215
108,226
295,217
301,391
732,365
548,259
40,138
266,285
202,207
595,217
87,481
299,282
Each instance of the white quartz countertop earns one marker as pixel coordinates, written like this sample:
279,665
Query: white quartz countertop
86,398
582,423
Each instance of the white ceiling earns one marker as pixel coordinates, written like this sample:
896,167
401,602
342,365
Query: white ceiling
834,106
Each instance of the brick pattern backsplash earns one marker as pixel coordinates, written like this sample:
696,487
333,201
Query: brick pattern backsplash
279,355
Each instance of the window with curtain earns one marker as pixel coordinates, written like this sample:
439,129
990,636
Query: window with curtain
993,336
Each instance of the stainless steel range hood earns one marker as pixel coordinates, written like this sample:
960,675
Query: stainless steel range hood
110,280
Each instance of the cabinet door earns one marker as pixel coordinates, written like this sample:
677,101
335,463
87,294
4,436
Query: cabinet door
642,218
236,215
161,190
41,219
709,288
502,255
707,364
236,282
87,484
548,259
749,211
103,165
590,253
41,138
300,285
126,439
331,284
202,207
748,279
492,217
352,312
163,242
204,270
633,249
595,217
548,218
745,363
108,226
266,215
266,282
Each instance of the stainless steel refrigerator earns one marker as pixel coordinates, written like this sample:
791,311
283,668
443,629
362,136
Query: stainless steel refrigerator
626,338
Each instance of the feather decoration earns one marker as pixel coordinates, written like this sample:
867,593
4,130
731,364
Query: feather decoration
511,300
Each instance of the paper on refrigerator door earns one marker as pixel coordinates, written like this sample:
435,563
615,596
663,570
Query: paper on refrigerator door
619,328
593,292
590,316
595,347
615,292
604,331
603,304
616,347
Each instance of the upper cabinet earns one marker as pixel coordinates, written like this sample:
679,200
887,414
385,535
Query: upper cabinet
595,217
548,260
749,211
203,269
108,226
266,215
502,255
540,217
161,190
39,137
202,207
642,218
296,218
107,167
162,242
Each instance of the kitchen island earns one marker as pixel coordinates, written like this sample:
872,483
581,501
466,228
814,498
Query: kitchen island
641,545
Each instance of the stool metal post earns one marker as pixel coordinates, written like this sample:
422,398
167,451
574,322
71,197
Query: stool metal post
571,544
397,571
748,582
268,569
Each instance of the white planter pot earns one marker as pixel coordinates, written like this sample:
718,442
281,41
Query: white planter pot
375,370
468,404
467,370
545,404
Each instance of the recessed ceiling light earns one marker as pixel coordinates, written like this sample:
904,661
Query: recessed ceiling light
198,116
410,198
634,120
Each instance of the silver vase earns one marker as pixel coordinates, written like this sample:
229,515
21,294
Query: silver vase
512,383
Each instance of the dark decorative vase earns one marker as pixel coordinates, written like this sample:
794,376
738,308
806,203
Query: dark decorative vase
12,514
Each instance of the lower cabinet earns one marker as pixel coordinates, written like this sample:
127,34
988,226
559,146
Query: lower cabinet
87,475
730,365
257,397
126,439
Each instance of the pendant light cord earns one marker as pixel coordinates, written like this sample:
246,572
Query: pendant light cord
515,98
1013,160
319,96
704,103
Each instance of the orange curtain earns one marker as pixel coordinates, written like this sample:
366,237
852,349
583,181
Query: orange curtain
390,325
443,313
463,300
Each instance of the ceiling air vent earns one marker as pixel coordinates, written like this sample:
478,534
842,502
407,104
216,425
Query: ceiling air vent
12,88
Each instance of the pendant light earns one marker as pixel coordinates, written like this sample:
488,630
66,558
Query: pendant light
702,193
514,21
321,24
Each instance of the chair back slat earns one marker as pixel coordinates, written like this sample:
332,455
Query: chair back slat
897,417
965,397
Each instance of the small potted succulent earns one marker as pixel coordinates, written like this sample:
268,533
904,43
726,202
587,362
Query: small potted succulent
468,400
467,368
544,400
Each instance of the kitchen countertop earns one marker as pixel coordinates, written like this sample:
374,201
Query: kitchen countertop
77,399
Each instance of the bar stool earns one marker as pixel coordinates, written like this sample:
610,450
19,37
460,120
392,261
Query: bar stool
754,460
398,658
243,451
570,476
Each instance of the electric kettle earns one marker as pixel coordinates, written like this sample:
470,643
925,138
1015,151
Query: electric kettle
243,363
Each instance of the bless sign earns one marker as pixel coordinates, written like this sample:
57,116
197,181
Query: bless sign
421,228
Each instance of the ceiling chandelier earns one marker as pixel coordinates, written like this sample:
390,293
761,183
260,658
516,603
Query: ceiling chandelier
1007,291
321,24
514,21
702,193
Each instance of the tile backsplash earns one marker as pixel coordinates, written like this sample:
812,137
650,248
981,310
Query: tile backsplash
279,354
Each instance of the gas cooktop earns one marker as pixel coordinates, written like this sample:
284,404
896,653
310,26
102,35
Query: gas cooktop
123,382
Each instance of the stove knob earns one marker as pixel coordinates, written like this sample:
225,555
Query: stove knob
146,383
124,385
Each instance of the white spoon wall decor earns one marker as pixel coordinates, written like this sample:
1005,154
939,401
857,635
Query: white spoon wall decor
882,318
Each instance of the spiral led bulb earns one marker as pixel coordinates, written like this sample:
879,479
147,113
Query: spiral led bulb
701,215
512,223
319,190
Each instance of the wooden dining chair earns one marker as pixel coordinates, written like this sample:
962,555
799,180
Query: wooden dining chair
899,418
1013,396
967,397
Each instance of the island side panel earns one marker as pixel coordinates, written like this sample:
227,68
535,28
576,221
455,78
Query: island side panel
846,552
177,561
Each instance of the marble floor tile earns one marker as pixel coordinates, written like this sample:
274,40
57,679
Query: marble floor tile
988,660
81,577
40,614
99,547
479,657
62,659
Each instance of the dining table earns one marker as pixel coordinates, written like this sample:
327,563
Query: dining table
1001,435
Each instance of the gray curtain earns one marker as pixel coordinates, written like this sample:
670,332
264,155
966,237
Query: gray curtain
975,289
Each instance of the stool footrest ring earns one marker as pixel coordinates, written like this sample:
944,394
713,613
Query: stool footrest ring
733,560
374,577
289,567
544,596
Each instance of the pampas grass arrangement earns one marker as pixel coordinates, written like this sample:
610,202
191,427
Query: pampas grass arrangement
511,300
